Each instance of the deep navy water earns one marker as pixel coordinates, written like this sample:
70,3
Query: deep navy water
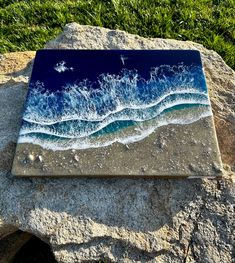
90,64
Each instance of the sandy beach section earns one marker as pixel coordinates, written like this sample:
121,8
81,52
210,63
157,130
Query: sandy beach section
170,151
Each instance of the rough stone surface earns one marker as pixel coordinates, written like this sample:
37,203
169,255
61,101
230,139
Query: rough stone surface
121,220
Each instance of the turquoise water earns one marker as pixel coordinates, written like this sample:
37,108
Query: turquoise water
119,125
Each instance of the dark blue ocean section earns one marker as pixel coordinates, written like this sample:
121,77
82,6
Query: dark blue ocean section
90,64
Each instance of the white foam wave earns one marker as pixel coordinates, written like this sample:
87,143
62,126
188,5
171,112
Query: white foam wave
110,93
120,137
79,129
93,116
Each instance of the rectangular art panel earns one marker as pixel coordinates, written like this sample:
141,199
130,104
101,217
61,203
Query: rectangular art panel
132,113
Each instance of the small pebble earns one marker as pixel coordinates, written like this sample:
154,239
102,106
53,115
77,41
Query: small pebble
161,143
44,168
193,142
31,157
143,169
216,167
39,158
99,165
127,146
76,158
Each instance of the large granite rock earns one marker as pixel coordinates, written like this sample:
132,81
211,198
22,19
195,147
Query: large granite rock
120,220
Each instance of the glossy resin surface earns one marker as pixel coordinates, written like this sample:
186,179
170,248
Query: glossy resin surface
117,113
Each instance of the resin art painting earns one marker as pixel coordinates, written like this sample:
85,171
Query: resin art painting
131,113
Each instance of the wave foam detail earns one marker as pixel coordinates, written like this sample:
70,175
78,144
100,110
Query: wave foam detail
125,136
110,94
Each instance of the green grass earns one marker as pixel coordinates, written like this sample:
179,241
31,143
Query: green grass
28,25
